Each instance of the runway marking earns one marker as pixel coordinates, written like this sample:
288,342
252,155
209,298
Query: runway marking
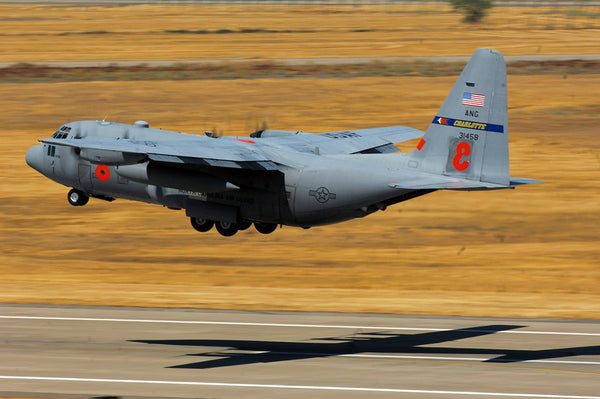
408,357
299,387
235,323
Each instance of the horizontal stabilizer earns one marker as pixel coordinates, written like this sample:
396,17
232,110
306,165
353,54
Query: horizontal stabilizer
427,181
517,181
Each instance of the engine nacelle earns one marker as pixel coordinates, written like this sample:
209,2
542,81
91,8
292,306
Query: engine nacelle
181,179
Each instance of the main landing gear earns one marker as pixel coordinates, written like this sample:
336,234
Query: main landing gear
77,197
202,225
265,228
227,229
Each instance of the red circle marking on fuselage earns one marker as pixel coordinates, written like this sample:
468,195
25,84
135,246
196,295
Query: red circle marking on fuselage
102,172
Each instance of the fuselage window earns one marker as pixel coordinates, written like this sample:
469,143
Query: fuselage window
51,150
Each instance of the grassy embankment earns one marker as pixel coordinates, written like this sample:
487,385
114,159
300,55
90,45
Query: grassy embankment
530,252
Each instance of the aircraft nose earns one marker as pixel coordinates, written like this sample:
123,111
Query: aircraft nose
35,158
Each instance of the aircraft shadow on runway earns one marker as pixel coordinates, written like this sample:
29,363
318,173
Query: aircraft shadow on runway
361,343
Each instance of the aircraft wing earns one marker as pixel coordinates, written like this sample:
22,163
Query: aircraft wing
203,152
361,141
244,153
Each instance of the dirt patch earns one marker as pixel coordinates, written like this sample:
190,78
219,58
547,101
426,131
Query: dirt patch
26,73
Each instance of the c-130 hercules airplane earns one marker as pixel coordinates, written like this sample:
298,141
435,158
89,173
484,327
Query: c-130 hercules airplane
278,177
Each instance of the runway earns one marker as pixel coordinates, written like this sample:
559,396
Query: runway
81,352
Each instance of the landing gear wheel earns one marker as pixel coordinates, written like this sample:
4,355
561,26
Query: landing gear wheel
265,228
226,229
201,225
77,198
244,225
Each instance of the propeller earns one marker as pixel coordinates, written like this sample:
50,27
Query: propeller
215,133
260,128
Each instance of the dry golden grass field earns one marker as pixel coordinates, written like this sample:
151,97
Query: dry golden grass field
530,252
187,32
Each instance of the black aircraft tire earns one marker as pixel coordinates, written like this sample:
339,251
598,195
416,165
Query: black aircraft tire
265,228
202,225
226,229
77,198
244,225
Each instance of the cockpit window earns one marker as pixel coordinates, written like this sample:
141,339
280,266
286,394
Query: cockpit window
62,133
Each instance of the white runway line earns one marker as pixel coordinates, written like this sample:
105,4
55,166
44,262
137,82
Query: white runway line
298,387
432,358
235,323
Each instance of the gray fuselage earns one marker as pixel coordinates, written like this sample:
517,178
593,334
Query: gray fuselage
305,189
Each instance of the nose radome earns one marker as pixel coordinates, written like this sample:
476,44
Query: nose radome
35,158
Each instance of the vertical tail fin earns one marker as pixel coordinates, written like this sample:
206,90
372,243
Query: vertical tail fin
468,138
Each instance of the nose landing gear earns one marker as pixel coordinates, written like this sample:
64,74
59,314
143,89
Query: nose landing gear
77,197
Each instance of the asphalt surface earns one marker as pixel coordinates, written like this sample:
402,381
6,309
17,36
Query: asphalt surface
83,352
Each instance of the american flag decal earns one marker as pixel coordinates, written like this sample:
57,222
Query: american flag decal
472,99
